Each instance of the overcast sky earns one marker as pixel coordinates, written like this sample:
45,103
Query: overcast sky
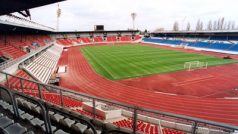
151,14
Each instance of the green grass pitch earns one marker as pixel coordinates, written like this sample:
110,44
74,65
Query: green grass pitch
127,61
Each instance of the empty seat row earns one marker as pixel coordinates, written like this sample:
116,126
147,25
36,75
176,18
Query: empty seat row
10,51
58,120
199,44
125,38
12,46
43,66
82,40
98,39
7,125
146,127
32,114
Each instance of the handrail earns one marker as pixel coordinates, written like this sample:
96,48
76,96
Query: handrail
12,101
71,116
43,111
183,117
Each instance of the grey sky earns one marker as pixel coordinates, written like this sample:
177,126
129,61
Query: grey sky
151,14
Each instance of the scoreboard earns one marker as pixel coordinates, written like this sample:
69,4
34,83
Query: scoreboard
99,28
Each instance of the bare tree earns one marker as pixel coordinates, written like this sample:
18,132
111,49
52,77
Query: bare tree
218,24
199,26
229,25
225,26
209,25
176,26
222,20
188,27
233,25
215,25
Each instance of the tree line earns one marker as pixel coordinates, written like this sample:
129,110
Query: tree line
219,24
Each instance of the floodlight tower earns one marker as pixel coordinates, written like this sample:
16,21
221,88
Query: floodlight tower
58,13
133,16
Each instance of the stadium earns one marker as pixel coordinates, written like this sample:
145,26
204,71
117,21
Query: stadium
114,81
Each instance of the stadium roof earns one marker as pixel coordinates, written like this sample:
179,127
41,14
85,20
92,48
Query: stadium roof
10,6
14,29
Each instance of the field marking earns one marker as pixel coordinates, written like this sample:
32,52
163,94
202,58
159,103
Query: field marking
164,93
231,98
195,80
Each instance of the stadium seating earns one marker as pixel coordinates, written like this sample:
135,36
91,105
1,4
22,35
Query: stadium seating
64,42
43,66
198,44
218,38
137,37
14,83
85,40
220,46
32,89
146,127
233,48
68,42
98,39
30,114
9,125
125,38
88,114
164,41
10,51
12,46
235,38
111,38
27,41
171,131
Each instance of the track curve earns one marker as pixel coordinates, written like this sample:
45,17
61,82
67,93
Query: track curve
81,77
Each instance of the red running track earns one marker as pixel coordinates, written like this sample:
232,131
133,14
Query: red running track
81,77
214,82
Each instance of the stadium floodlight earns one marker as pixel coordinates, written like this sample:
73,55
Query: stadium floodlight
133,16
58,13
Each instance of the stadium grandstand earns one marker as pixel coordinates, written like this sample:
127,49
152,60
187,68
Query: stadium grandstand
114,81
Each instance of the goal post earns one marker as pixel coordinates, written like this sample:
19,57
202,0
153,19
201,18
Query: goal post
192,65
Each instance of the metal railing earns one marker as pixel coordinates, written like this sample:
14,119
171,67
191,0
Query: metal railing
195,123
14,97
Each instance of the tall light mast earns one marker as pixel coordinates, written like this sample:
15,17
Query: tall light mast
58,13
133,16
